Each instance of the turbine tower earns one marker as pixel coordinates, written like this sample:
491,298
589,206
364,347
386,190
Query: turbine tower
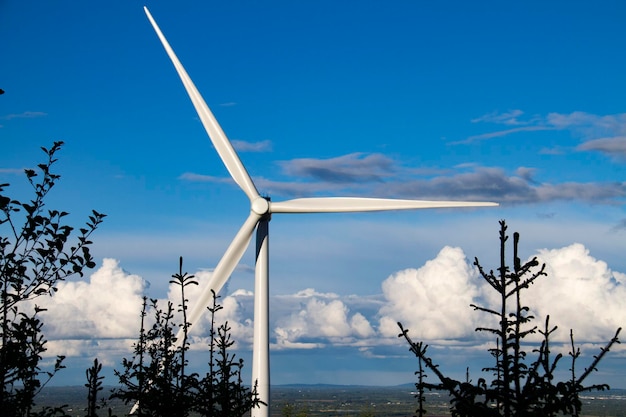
261,210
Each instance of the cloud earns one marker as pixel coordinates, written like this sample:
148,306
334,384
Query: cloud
270,187
526,173
589,192
275,188
11,171
615,146
190,176
432,301
103,314
319,320
108,306
343,169
310,292
24,115
508,118
587,124
496,185
600,133
346,173
298,188
378,175
579,293
243,146
479,184
99,317
108,351
555,150
491,183
500,133
620,226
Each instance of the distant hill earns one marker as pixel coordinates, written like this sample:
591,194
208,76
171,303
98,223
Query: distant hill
322,400
407,385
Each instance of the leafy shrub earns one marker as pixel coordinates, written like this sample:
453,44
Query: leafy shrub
35,255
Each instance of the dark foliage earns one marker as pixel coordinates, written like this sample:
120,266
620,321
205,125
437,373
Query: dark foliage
519,387
35,255
94,386
155,379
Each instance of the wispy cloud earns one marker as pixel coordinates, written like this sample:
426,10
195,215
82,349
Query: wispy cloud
243,146
621,226
190,176
508,118
496,185
24,115
12,171
343,169
501,133
379,176
270,187
303,187
589,125
555,150
602,133
615,146
605,134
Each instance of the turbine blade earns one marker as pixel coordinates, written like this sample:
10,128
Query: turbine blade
224,268
216,134
356,204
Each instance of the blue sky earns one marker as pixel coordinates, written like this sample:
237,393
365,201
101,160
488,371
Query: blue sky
522,104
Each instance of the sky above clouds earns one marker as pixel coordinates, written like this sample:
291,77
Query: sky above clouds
521,104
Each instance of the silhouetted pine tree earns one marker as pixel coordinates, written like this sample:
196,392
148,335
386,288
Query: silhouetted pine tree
156,377
94,386
519,388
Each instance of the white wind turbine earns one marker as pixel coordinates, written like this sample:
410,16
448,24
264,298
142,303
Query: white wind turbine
261,210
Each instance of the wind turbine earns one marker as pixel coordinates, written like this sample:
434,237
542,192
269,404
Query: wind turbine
261,209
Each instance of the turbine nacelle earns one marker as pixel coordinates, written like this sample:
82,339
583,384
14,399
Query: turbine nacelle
260,206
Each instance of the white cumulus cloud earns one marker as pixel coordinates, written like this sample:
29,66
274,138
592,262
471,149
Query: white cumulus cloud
100,316
579,293
323,319
432,301
107,306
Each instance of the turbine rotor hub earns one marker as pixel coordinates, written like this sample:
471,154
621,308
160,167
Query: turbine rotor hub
260,206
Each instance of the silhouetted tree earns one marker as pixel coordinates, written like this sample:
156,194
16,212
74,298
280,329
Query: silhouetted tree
35,255
94,386
156,379
519,388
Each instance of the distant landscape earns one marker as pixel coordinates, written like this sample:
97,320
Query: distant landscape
339,400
